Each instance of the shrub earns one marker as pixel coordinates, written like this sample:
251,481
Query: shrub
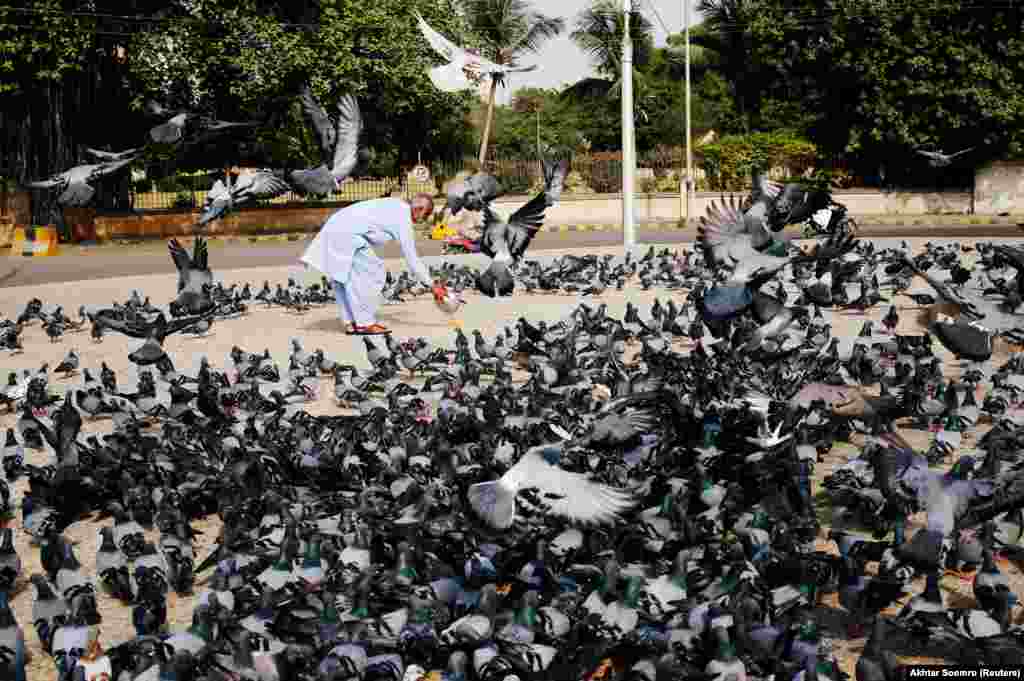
183,199
730,161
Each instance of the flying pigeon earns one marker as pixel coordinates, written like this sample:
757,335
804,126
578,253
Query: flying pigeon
463,69
506,242
938,159
173,129
338,138
76,184
566,494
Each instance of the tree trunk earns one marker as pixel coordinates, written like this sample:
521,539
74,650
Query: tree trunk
46,123
487,123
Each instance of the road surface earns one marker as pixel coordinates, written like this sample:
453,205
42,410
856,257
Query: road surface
77,264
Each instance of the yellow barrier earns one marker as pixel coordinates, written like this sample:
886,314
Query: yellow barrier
35,241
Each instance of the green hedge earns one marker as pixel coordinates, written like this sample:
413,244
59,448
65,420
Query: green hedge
730,161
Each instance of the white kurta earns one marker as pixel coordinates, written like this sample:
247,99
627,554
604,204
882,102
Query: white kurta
343,250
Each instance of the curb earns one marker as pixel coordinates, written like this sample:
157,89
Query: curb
865,222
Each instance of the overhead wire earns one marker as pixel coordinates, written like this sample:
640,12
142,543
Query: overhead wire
794,18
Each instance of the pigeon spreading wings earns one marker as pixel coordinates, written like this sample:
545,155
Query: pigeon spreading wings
564,493
938,159
158,329
76,183
463,69
225,194
177,123
506,242
724,237
338,137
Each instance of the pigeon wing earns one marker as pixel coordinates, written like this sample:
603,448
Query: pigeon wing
261,185
555,172
181,260
130,329
722,233
319,121
444,47
349,128
50,182
524,224
493,233
567,494
200,255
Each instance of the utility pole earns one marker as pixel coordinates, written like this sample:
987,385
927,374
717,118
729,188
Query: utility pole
538,128
628,151
689,134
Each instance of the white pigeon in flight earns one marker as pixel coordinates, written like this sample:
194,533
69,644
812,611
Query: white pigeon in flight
563,493
463,68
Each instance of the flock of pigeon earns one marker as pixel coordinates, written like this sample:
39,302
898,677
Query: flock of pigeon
598,498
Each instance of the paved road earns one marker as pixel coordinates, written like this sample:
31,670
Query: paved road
151,258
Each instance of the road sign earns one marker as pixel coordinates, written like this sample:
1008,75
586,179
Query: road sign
421,173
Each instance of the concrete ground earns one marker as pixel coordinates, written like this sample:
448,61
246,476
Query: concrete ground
78,263
151,273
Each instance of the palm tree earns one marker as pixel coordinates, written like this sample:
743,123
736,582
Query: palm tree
599,30
506,29
724,33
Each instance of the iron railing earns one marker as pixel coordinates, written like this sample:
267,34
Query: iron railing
597,174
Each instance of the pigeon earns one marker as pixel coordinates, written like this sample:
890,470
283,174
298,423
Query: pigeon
225,194
173,130
938,159
463,68
338,138
563,493
76,184
194,276
506,242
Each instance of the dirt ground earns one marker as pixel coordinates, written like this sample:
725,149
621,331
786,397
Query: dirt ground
272,328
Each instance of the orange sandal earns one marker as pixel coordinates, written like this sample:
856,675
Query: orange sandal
371,330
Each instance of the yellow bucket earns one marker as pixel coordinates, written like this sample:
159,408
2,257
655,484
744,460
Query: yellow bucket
35,241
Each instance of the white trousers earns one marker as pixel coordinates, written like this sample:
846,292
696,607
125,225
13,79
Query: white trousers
359,297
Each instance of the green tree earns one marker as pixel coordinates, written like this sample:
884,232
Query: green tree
726,38
875,80
240,58
63,67
506,30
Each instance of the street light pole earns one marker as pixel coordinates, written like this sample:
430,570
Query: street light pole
689,138
628,151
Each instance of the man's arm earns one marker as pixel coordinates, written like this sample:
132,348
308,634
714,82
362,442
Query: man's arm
407,241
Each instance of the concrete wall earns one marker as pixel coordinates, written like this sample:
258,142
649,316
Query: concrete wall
999,188
600,208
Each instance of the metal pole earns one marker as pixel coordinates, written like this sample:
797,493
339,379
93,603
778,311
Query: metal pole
628,157
689,137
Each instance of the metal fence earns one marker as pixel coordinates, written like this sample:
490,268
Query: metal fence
589,175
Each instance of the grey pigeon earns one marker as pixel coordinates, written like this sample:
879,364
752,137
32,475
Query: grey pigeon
76,184
194,276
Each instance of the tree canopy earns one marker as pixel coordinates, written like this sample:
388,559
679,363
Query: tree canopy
874,80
